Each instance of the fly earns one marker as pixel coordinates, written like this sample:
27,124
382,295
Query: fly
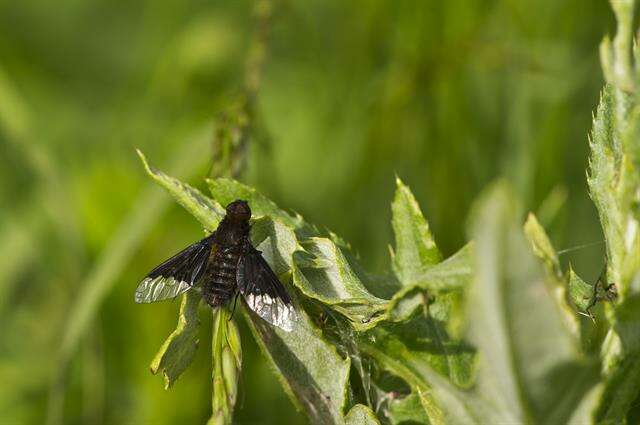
223,265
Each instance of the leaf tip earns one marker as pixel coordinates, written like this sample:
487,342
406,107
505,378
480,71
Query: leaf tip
168,382
399,183
145,162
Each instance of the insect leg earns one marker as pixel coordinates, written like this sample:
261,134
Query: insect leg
235,300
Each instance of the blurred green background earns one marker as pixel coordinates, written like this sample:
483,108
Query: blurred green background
447,95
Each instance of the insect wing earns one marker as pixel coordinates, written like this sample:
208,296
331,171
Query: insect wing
176,275
263,291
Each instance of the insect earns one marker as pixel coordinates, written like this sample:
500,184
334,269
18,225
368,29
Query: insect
222,266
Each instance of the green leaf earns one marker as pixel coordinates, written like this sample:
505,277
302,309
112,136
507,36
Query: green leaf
455,401
622,72
452,274
227,363
528,370
207,211
602,173
408,409
614,186
541,245
276,241
309,368
361,415
581,292
320,269
419,343
622,389
623,381
323,273
584,413
312,372
560,285
415,246
409,359
178,350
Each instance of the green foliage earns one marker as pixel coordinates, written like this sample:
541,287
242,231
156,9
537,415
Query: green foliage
581,292
519,310
409,409
227,363
614,185
478,328
310,369
529,370
178,350
534,373
415,247
360,415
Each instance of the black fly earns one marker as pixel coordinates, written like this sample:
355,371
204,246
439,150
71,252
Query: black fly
222,265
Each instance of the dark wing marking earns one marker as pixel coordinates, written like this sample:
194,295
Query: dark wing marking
263,291
176,275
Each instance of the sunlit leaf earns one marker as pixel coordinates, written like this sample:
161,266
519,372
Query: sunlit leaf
581,292
603,178
623,383
528,369
177,352
276,241
560,285
310,369
421,343
614,186
320,271
323,273
361,415
415,247
452,274
408,409
541,244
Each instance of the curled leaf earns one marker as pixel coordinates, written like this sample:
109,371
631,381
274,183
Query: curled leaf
322,272
178,350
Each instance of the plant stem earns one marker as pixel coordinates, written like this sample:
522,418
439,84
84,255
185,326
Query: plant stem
227,362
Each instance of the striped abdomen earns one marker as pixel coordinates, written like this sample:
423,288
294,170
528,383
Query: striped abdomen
219,284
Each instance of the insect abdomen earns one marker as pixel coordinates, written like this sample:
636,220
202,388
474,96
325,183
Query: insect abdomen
220,280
